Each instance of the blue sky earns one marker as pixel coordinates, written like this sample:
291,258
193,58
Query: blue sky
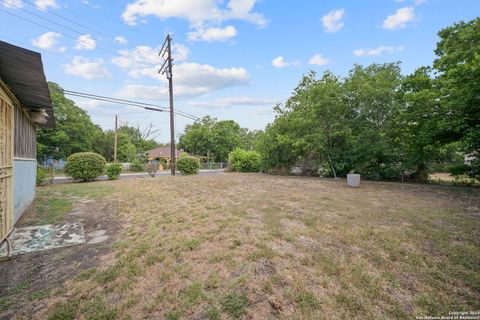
234,59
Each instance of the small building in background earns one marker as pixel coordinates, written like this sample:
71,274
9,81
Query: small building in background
163,153
25,104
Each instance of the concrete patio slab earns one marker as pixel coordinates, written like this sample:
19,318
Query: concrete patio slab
45,237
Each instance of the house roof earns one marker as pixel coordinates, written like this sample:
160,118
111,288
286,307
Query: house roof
162,152
22,71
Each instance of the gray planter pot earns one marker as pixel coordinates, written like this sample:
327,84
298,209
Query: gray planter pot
353,180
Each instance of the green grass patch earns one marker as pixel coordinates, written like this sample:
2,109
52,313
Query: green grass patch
235,304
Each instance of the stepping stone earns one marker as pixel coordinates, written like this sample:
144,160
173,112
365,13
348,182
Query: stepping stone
45,237
96,233
97,240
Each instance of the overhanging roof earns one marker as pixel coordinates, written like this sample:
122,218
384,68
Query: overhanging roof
22,71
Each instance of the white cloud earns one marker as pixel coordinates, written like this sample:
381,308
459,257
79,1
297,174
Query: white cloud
419,2
262,112
180,52
120,40
46,40
141,56
87,68
332,21
318,60
85,42
213,34
191,79
400,19
13,4
377,51
279,62
197,12
45,4
146,57
233,101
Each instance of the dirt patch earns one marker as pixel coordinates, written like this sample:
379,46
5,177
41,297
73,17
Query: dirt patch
28,278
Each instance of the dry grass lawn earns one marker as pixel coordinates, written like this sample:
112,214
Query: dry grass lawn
265,247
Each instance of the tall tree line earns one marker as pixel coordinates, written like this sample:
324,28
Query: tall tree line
379,123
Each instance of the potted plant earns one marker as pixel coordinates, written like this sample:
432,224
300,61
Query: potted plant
353,179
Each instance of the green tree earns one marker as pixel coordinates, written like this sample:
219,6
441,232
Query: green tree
198,137
458,69
74,130
214,139
226,137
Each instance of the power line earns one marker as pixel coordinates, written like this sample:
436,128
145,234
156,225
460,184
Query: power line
147,106
72,21
51,29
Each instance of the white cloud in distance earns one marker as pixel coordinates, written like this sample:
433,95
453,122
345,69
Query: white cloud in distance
87,68
279,62
85,42
46,40
197,12
121,40
377,51
318,60
192,79
332,21
45,4
232,101
13,4
400,19
213,34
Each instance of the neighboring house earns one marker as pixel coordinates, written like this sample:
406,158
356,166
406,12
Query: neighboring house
163,153
55,163
24,105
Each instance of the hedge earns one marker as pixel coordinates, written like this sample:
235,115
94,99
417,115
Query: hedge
113,171
244,161
85,166
137,167
188,165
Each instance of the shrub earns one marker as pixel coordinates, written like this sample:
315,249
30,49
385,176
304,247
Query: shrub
113,171
136,167
85,166
188,165
244,161
458,170
41,175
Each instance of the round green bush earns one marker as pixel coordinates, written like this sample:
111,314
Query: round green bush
113,171
188,165
137,167
85,166
244,161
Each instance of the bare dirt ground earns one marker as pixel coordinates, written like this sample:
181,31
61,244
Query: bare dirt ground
257,246
29,278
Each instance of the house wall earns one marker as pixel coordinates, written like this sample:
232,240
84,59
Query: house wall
6,164
24,160
24,173
24,163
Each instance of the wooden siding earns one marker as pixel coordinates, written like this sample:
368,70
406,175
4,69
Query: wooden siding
25,136
6,167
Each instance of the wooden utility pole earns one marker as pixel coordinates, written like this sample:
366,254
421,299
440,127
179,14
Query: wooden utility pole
116,137
167,68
